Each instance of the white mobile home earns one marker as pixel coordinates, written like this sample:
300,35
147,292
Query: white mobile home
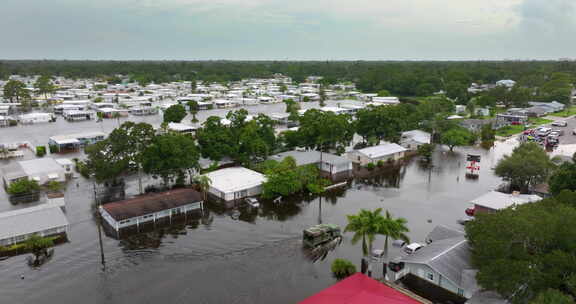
445,262
411,140
41,170
235,183
17,226
34,118
384,152
78,115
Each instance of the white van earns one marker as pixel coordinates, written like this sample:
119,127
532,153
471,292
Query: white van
410,249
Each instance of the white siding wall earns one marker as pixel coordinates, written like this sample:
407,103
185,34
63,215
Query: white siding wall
147,217
423,272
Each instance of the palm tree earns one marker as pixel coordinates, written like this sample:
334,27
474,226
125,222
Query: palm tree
365,226
204,183
394,228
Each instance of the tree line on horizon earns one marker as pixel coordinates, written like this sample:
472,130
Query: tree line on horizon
400,78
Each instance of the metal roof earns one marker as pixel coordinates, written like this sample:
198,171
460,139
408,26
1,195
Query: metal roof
382,150
151,203
311,157
40,166
31,220
235,179
498,200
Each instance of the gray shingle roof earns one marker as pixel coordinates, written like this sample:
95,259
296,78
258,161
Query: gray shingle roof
442,232
449,257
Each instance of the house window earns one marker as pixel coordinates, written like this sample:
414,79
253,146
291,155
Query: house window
460,292
430,276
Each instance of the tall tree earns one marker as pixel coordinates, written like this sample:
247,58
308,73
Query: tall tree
193,108
456,137
525,250
174,113
563,178
527,166
170,156
44,85
15,91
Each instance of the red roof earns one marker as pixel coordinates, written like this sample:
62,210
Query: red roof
359,289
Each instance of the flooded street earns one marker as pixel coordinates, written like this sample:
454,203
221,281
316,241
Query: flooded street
222,258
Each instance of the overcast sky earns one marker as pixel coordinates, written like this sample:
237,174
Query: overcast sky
288,29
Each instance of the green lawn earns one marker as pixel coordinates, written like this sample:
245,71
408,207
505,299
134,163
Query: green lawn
536,121
568,112
516,129
509,130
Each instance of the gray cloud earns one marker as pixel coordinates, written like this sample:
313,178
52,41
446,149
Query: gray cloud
298,29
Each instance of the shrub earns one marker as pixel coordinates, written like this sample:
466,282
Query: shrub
53,148
54,186
23,186
425,150
370,166
40,151
380,163
342,268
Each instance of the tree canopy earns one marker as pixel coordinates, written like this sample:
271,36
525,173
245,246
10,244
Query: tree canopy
174,113
170,156
526,250
457,136
527,166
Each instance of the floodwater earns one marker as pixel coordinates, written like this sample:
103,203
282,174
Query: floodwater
225,257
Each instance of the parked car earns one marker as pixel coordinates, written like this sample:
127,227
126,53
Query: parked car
252,202
562,123
556,133
398,243
410,249
543,131
574,132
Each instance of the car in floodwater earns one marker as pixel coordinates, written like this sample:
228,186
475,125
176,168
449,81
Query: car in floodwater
252,202
320,234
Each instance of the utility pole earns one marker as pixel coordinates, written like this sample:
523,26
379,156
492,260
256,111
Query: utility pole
98,224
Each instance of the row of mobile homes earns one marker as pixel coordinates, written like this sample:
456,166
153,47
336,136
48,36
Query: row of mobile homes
44,220
151,208
73,142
